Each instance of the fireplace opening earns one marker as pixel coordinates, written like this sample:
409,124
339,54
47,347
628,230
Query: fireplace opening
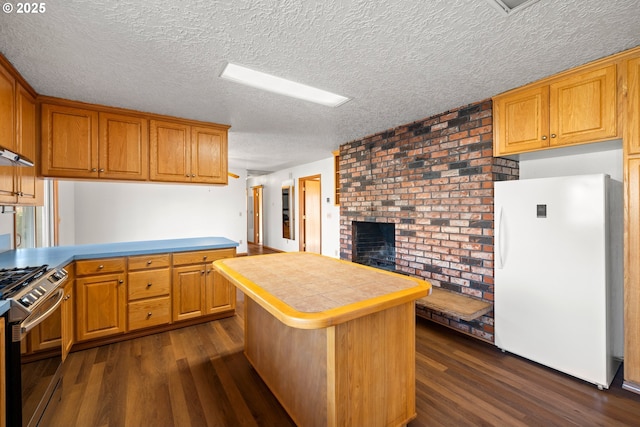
374,244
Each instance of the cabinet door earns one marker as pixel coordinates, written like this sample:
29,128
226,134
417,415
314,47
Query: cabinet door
220,293
169,152
521,121
30,187
208,155
7,109
633,106
188,291
101,306
68,318
47,334
583,107
69,142
7,135
123,147
632,282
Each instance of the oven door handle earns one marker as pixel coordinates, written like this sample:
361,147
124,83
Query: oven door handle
29,324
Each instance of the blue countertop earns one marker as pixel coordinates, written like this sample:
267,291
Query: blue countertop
60,256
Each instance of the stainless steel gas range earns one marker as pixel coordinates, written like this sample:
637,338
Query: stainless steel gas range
34,294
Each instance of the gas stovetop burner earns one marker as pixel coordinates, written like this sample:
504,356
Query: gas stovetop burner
13,279
29,288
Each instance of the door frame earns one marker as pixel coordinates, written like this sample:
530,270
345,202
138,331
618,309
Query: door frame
302,209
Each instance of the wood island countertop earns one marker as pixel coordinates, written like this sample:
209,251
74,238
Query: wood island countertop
309,291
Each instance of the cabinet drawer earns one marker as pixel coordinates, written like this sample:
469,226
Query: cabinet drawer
147,284
144,262
97,266
151,312
183,258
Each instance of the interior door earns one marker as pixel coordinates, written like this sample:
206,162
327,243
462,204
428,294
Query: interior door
254,216
310,208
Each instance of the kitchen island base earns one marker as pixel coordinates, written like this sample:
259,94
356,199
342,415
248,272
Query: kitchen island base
357,373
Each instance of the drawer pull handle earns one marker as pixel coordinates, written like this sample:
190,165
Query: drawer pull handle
121,281
149,262
204,257
148,315
100,267
149,284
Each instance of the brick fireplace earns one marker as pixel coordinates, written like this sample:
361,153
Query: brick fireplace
374,244
433,180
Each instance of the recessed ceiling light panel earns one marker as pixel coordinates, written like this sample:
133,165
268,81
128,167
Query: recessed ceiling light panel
268,82
507,7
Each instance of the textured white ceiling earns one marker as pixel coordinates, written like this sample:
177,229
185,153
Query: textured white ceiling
399,60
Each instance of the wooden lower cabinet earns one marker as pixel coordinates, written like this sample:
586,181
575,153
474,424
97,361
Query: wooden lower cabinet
188,291
149,312
101,298
149,290
107,297
632,282
68,316
197,289
47,334
220,294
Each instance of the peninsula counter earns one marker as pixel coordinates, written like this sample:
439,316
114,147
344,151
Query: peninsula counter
333,340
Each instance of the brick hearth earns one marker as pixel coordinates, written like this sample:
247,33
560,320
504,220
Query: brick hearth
434,180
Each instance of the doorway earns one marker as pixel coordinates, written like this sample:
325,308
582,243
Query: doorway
254,226
310,214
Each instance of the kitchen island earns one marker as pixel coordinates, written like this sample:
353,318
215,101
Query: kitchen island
333,340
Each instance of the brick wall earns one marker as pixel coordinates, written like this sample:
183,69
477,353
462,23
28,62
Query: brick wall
434,180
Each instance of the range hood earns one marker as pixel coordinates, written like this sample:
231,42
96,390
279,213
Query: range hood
9,158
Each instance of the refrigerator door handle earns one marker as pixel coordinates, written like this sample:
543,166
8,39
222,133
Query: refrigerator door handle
498,237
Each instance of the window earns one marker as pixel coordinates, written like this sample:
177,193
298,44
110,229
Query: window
34,224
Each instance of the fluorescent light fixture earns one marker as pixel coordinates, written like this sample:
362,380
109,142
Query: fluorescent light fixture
257,79
507,7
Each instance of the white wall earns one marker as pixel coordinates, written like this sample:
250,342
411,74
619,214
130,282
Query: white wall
272,206
105,212
603,157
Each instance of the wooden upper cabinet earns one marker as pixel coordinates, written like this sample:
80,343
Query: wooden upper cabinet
577,108
30,186
109,143
18,185
8,194
522,120
183,153
582,107
7,109
208,155
633,106
84,143
123,147
69,142
170,151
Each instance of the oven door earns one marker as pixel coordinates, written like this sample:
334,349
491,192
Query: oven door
38,372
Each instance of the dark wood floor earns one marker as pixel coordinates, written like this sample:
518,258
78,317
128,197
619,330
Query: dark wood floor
253,249
198,376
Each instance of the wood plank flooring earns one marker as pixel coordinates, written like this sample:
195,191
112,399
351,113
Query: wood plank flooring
199,376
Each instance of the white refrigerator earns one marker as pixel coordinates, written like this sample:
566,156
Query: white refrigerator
558,258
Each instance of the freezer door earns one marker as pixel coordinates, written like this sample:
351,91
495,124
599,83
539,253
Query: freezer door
551,273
